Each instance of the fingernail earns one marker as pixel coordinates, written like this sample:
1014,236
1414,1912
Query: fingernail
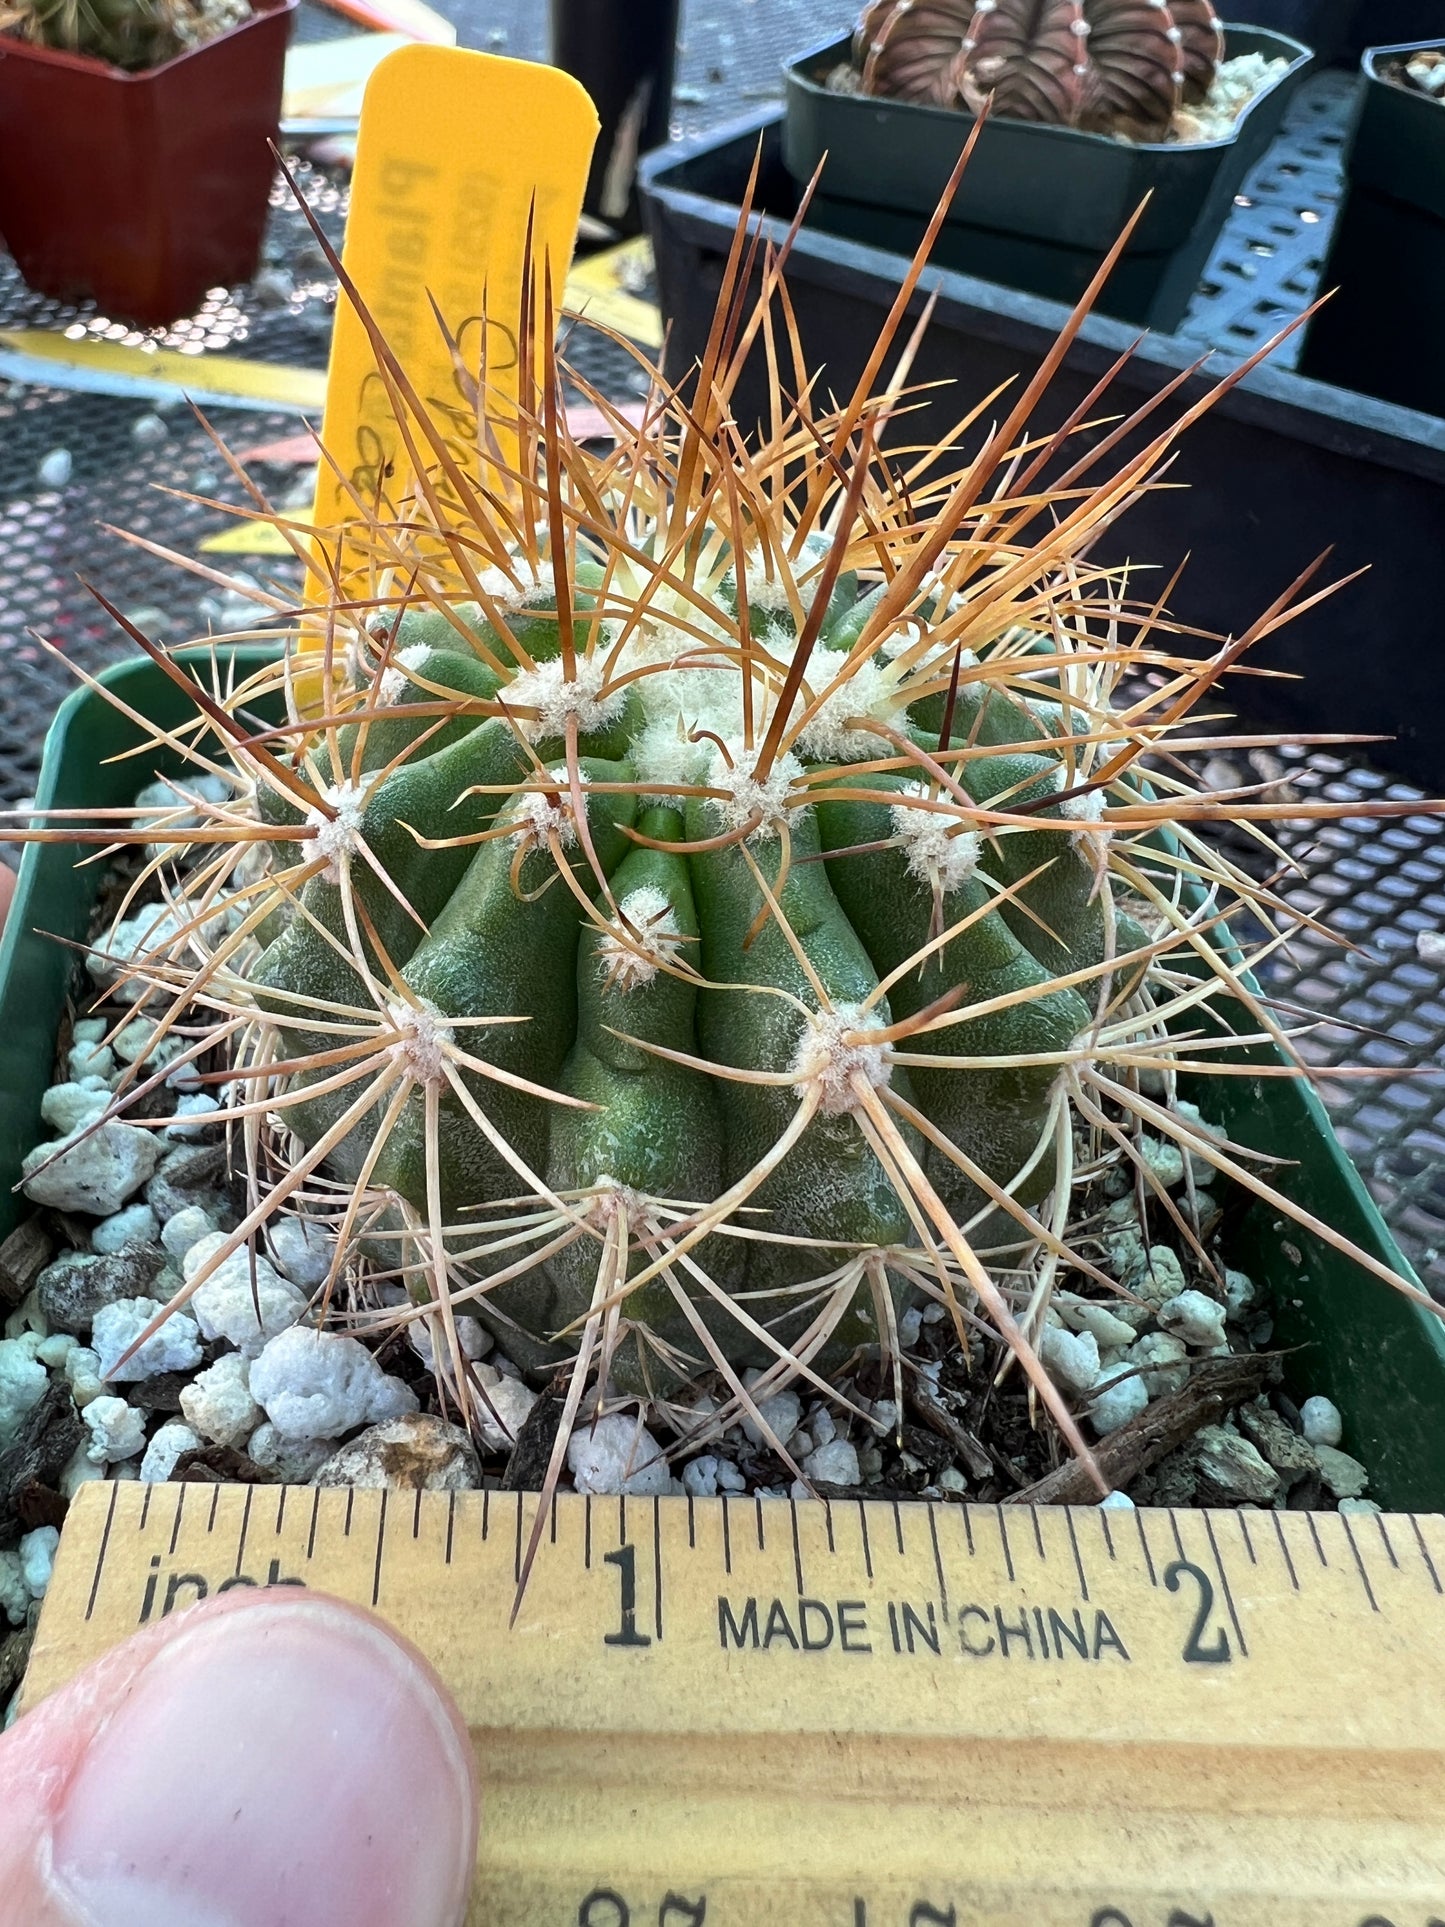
288,1761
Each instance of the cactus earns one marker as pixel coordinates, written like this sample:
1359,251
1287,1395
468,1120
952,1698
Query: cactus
132,34
695,902
1104,65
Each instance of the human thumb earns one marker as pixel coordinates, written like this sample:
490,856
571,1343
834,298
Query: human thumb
265,1759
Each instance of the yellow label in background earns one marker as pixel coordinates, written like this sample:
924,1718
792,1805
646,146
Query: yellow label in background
456,151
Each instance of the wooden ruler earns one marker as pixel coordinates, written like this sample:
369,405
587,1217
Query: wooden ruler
755,1713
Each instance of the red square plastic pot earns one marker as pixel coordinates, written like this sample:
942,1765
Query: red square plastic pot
141,191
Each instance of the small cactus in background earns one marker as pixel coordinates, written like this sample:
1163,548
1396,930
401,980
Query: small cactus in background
131,34
1109,65
692,903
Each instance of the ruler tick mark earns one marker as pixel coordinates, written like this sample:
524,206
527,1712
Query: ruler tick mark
1314,1534
350,1501
691,1525
487,1516
552,1521
758,1510
416,1515
898,1527
176,1522
1248,1542
828,1522
622,1518
215,1501
1344,1519
727,1538
517,1544
797,1547
380,1543
281,1491
145,1506
1078,1560
451,1524
1224,1584
1008,1557
1425,1553
938,1563
1380,1522
1144,1542
104,1542
657,1566
1284,1548
867,1549
1103,1519
1178,1538
245,1528
587,1534
315,1509
1034,1512
968,1528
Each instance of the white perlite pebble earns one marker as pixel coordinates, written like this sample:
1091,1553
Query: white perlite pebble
176,1347
195,1111
136,1225
1358,1505
294,1461
97,1174
1071,1359
37,1559
218,1403
699,1477
54,1351
302,1251
1160,1278
910,1327
227,1304
503,1410
1430,946
317,1385
1161,1359
89,1060
117,1430
822,1426
1163,1161
1117,1502
783,1413
81,1470
22,1382
1321,1420
835,1463
616,1454
1344,1476
82,1374
185,1229
14,1593
729,1479
67,1108
151,930
1195,1318
472,1336
1239,1292
1121,1399
1085,1316
164,1449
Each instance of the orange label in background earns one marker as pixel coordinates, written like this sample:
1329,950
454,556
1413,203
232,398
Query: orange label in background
456,151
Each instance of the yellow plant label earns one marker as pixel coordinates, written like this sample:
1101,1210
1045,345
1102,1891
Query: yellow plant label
456,153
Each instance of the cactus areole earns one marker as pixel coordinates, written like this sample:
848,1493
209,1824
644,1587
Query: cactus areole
1100,65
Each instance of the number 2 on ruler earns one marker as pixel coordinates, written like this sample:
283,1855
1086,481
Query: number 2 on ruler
1216,1653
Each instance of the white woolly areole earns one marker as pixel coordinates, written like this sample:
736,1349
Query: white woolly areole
548,690
631,952
827,1061
540,817
748,794
609,1198
764,589
1085,810
508,595
870,691
665,753
938,852
421,1046
337,835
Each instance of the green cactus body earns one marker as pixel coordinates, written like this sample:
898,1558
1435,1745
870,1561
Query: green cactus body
665,942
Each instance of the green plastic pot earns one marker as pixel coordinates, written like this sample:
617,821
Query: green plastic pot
1383,330
1039,206
1381,1358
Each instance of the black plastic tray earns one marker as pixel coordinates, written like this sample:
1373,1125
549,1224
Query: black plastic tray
1280,470
1384,331
1039,204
